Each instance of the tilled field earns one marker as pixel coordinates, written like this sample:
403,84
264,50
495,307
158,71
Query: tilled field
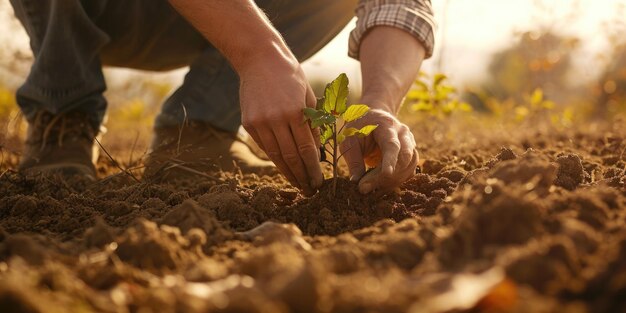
529,224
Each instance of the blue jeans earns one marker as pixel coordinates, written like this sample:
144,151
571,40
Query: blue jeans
72,39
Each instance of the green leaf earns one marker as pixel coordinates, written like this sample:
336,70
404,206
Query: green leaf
443,92
336,95
438,79
364,131
350,131
367,129
325,119
423,106
312,113
327,133
417,95
465,107
320,104
318,117
449,107
537,97
355,112
421,85
548,105
340,138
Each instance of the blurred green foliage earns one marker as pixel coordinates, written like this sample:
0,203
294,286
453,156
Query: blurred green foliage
435,97
7,103
610,90
537,60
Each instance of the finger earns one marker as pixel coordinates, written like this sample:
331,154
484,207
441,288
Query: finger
375,180
387,140
416,156
255,136
315,132
407,144
272,149
311,102
370,181
405,174
353,155
410,169
309,153
291,157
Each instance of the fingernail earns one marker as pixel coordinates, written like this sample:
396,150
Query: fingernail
365,188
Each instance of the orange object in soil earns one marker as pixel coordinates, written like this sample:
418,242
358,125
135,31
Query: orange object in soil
374,158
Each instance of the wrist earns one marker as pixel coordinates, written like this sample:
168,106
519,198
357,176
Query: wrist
272,53
380,102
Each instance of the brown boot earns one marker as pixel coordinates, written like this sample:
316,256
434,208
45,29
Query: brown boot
199,147
60,144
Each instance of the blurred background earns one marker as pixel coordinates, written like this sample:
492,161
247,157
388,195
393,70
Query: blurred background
511,62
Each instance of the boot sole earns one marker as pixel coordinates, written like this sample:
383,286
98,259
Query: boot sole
63,169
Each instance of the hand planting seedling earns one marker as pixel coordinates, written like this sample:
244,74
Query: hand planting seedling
326,115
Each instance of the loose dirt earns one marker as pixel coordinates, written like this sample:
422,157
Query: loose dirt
534,226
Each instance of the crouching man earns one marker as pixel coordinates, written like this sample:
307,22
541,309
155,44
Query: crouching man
244,69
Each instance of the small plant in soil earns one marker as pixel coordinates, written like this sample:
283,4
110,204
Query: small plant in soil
331,115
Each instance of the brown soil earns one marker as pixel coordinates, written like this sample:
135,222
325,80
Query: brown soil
537,226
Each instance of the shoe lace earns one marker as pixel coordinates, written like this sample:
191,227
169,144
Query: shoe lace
48,128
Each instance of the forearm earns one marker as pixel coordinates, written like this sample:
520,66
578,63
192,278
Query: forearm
273,89
390,62
238,28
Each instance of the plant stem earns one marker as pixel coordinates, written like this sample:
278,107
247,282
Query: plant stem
335,160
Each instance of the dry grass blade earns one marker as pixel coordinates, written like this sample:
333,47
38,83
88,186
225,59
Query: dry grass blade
132,150
126,171
182,127
112,176
191,170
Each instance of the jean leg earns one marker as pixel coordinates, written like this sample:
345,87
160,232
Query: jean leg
307,26
66,73
148,35
210,92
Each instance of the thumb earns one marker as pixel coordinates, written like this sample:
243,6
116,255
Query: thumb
353,155
370,181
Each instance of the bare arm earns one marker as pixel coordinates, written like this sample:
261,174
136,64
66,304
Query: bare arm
390,62
273,89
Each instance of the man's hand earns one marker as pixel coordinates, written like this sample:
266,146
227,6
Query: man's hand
390,149
273,95
390,61
273,91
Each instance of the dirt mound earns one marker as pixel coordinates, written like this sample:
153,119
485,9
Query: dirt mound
153,247
190,215
571,172
537,226
324,214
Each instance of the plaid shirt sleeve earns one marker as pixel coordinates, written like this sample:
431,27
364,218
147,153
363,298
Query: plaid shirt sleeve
413,16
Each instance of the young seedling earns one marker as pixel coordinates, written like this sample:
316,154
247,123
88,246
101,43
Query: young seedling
330,110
